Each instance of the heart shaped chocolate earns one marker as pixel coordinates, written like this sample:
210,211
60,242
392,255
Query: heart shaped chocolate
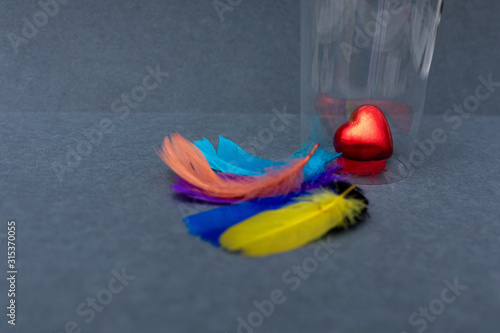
366,136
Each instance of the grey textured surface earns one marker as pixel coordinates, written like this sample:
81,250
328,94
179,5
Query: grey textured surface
115,209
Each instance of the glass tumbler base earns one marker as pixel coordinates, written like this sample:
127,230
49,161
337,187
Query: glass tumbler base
396,171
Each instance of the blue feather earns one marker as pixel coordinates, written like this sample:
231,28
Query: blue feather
231,158
318,162
209,225
317,132
234,154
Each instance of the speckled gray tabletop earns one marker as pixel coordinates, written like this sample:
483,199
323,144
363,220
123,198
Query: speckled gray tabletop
101,246
113,210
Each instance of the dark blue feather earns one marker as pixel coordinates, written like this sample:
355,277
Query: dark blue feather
209,225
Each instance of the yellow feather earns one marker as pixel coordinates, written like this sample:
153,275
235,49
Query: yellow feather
309,218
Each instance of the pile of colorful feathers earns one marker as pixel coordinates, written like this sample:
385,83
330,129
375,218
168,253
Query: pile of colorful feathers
267,206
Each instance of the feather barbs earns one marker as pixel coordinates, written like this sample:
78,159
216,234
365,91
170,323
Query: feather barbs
288,204
189,163
308,218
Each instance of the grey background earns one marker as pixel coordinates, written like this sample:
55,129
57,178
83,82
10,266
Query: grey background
92,51
114,209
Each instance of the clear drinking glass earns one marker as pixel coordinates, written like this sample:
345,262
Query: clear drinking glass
356,52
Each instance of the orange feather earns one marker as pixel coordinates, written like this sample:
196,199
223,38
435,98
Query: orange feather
189,163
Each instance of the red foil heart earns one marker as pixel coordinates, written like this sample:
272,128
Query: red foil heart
366,136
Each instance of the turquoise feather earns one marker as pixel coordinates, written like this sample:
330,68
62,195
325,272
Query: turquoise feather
231,158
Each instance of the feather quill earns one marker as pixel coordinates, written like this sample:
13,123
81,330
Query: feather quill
309,218
189,163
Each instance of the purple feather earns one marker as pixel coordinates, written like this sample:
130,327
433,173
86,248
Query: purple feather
185,188
327,178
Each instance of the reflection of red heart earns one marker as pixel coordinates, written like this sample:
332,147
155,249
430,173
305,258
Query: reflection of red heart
335,109
366,136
